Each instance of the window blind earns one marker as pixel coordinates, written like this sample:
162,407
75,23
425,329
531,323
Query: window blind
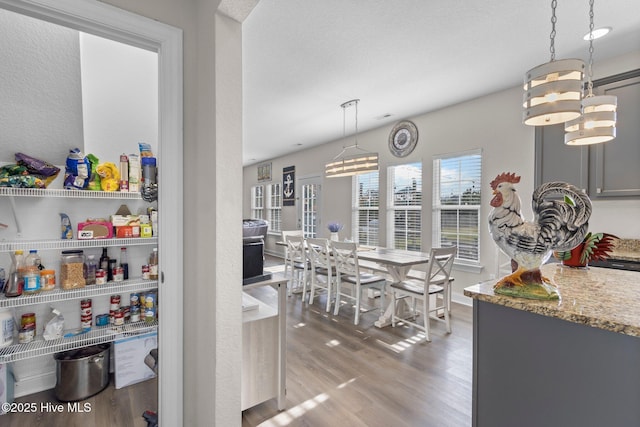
274,207
366,208
457,184
404,221
257,201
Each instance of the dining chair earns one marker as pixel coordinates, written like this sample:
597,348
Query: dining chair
348,272
285,234
298,263
319,255
436,281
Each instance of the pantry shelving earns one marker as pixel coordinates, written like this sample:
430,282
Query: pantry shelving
68,193
13,245
97,335
85,292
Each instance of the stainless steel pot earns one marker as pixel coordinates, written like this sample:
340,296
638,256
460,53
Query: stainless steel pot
82,373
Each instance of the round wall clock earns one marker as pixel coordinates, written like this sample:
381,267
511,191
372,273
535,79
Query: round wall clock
403,138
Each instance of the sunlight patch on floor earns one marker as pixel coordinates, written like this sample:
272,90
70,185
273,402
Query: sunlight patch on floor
333,343
288,416
346,383
299,325
404,344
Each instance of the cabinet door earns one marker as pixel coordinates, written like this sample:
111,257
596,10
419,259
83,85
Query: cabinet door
615,170
556,161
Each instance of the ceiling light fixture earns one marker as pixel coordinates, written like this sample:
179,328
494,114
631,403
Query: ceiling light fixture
552,91
597,123
348,165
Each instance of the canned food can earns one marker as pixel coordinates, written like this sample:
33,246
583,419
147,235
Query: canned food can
150,314
86,322
115,302
145,272
101,277
26,335
134,299
118,274
112,315
85,307
134,314
102,320
118,318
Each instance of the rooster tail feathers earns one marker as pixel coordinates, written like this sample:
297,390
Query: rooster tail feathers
563,213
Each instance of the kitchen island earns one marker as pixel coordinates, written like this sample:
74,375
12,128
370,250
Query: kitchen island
572,362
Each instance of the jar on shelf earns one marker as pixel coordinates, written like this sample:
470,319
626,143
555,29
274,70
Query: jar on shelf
72,270
48,280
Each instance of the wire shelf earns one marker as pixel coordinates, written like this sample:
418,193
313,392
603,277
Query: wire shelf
13,245
97,335
74,194
86,292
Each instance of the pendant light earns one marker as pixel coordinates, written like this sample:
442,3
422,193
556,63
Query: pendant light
597,123
348,165
553,91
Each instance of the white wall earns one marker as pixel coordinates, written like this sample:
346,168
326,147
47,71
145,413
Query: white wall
492,123
40,92
119,97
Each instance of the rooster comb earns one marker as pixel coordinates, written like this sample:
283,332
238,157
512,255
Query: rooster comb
505,177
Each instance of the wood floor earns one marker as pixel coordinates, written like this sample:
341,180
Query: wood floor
109,408
339,374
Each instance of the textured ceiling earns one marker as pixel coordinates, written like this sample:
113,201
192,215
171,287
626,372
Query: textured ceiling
302,59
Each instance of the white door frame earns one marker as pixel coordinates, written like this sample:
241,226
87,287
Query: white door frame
116,24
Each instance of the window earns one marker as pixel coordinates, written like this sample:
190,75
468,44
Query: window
457,181
366,208
274,207
257,201
405,206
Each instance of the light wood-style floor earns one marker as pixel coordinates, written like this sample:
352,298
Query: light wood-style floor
339,374
109,408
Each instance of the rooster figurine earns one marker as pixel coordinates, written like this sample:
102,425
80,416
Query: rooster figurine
561,218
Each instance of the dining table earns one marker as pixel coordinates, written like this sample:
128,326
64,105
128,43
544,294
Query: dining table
397,263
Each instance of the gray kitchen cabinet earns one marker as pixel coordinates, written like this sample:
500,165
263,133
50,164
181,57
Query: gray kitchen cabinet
608,170
615,165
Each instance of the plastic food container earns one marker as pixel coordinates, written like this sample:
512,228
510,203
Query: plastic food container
72,270
48,280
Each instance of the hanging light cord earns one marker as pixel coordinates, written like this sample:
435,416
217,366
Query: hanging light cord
344,127
590,69
552,36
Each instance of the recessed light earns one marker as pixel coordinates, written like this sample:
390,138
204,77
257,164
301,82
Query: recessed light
597,33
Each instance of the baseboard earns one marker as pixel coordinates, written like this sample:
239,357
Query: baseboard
35,384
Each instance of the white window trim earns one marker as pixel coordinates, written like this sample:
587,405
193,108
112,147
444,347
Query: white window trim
459,264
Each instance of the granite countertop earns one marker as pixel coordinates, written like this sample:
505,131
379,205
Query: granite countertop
627,249
599,297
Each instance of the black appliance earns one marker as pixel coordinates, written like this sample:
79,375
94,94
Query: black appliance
253,234
618,264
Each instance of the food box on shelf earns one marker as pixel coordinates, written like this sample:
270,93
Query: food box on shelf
95,230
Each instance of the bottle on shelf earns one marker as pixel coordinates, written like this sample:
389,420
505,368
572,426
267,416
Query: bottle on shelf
32,265
124,263
92,266
104,261
153,264
15,283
